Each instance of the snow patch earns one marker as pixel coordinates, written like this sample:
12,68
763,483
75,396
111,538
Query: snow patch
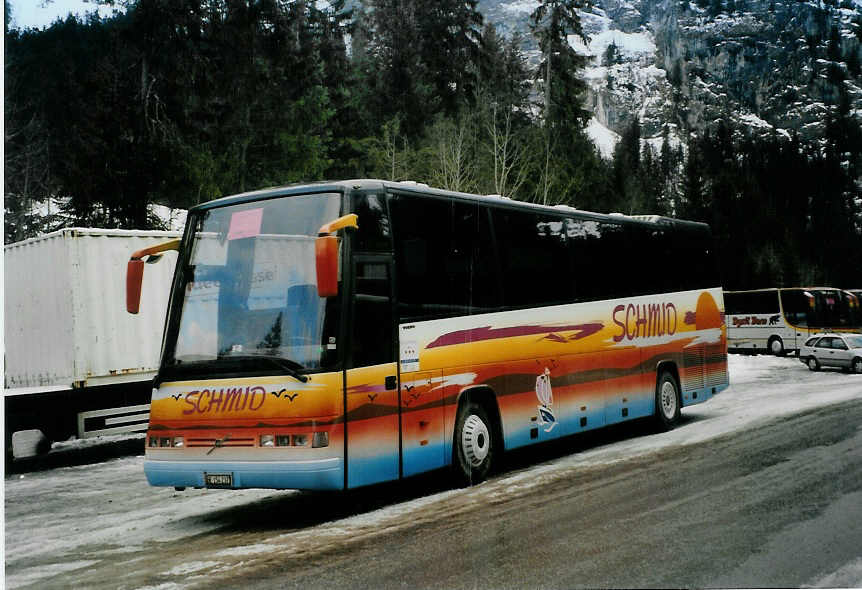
849,576
193,567
754,121
605,139
520,6
40,572
629,45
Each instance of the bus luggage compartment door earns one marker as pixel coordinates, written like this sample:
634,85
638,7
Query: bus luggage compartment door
422,422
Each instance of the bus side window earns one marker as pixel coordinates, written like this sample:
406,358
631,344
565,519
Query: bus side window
373,233
372,318
536,262
444,258
796,307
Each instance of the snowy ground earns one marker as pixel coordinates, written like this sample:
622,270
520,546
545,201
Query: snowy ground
62,523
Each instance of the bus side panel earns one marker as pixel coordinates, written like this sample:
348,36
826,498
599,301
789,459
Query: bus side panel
630,385
422,418
753,331
564,369
372,426
546,398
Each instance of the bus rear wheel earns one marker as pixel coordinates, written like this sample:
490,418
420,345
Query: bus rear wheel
667,401
474,444
776,346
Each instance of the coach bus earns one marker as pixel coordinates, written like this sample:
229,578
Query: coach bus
331,336
780,320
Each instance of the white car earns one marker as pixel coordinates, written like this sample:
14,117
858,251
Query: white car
833,350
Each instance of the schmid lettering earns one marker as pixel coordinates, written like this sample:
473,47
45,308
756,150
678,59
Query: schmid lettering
225,400
643,320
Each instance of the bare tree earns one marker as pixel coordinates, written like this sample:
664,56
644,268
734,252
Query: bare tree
453,147
27,179
508,152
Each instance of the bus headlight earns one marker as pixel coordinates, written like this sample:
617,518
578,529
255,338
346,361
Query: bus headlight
179,442
300,440
267,440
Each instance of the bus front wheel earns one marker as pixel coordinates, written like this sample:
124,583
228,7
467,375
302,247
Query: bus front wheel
667,401
474,446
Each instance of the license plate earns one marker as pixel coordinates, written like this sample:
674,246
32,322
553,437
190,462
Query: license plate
218,480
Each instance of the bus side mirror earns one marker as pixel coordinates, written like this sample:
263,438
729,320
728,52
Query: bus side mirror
326,254
134,280
135,272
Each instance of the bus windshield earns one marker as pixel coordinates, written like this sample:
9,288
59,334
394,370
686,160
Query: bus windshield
249,291
818,308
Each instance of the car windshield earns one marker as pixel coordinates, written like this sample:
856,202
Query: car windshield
250,287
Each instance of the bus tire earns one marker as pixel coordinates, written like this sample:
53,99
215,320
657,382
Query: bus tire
776,346
813,364
474,446
856,365
667,401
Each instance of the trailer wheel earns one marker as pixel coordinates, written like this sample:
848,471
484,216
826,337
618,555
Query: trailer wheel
474,445
667,401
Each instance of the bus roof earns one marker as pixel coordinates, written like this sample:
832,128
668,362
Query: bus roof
560,211
766,289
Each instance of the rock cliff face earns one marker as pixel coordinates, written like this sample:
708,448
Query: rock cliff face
774,66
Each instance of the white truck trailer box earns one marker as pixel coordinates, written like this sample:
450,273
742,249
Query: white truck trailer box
75,361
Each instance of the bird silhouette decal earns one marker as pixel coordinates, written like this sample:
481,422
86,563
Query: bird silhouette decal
546,398
372,397
177,396
278,394
291,397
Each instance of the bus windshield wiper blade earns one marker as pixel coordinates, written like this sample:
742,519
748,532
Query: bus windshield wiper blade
288,366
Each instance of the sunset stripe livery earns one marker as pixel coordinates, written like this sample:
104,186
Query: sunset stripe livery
600,362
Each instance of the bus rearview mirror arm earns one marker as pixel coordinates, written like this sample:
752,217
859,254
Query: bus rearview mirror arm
135,271
326,254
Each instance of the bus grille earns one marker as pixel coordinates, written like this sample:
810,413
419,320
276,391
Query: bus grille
220,442
693,368
716,369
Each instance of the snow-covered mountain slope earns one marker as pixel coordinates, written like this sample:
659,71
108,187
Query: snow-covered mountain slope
772,66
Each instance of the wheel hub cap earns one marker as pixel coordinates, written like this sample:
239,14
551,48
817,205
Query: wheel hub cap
668,399
475,440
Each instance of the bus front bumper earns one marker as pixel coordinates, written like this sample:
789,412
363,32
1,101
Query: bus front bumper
318,474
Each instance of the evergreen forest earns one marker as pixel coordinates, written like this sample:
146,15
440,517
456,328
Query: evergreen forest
176,102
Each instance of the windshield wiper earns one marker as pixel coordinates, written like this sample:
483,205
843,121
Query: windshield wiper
288,366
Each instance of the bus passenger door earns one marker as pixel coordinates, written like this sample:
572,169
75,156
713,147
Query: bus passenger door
422,422
371,396
372,425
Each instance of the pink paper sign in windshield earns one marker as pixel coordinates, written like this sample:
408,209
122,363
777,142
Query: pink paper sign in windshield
245,224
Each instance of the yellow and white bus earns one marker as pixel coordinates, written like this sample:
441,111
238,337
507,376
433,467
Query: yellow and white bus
331,336
779,320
